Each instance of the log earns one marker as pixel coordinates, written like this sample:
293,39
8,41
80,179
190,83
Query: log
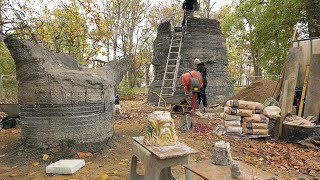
312,103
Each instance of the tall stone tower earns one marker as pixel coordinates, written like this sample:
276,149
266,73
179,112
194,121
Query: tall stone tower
202,39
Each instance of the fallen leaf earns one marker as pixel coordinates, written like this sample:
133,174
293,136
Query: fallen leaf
296,167
81,154
35,163
261,159
114,171
89,154
3,155
13,175
89,162
193,160
104,176
111,149
312,172
45,157
32,173
248,158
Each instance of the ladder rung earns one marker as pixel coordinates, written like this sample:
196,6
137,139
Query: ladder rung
170,72
167,87
175,46
168,79
175,52
171,65
172,59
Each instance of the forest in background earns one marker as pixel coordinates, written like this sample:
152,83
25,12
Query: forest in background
258,32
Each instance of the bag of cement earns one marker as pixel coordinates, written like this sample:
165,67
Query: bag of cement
234,129
272,112
238,112
247,131
232,123
258,106
256,118
240,104
229,117
257,111
254,125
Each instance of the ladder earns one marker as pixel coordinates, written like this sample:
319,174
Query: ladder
172,68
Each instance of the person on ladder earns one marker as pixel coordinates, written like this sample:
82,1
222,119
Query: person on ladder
187,6
202,95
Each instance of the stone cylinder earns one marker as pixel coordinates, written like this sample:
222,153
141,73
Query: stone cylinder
62,101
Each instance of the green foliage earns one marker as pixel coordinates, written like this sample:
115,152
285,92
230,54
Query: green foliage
258,33
125,89
7,66
10,86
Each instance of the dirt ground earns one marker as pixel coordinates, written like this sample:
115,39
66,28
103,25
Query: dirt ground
285,160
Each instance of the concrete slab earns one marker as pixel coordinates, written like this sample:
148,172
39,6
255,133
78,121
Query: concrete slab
65,166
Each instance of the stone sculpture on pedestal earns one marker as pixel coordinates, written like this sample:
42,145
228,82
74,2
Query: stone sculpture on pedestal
160,130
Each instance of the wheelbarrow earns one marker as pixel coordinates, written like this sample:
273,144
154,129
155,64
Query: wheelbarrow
13,114
180,101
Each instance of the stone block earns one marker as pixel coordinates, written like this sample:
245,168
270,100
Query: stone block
65,166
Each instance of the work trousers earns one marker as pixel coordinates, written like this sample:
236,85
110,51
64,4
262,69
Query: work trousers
202,96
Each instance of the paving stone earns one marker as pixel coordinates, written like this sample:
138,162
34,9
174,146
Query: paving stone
65,166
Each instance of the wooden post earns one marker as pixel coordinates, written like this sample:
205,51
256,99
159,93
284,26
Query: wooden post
1,87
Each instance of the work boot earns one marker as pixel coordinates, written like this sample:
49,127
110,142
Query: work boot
204,110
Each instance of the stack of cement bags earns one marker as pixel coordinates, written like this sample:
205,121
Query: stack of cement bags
245,117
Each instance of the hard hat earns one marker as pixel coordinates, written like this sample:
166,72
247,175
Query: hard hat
197,61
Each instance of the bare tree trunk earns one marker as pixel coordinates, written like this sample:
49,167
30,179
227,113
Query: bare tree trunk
116,29
1,20
313,17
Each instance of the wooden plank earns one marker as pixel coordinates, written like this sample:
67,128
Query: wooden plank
166,152
291,75
207,170
283,110
277,91
312,104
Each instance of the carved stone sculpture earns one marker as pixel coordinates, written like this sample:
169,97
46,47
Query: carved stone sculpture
160,130
62,101
221,154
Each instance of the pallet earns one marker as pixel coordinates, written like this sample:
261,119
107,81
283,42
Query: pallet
243,136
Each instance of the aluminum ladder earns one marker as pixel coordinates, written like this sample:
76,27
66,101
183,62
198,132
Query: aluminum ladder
172,68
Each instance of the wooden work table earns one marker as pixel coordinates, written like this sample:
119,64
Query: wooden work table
209,171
